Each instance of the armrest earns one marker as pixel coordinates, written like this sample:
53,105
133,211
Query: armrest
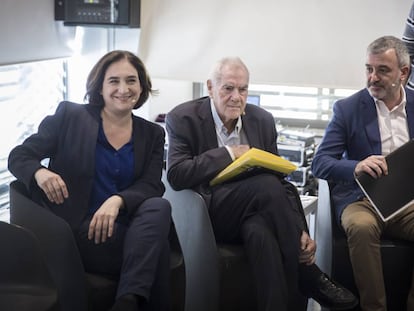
324,228
57,243
198,245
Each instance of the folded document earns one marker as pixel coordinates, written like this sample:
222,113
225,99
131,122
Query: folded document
251,159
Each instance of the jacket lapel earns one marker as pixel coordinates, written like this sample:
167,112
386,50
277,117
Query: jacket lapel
92,128
409,108
251,131
207,124
369,113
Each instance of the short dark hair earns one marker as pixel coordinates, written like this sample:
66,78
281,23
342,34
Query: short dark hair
97,74
385,43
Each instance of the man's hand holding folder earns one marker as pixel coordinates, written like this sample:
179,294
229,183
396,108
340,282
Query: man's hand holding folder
254,158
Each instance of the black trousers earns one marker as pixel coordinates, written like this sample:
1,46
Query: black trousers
256,212
138,253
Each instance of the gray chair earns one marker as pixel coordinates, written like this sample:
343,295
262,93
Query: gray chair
333,257
76,290
217,275
25,282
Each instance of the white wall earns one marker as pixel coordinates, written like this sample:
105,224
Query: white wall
297,42
171,93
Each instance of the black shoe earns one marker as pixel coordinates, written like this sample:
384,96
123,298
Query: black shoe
330,294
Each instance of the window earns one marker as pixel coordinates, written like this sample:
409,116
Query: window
299,106
28,92
292,106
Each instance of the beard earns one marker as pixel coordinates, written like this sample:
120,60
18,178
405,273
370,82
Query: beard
383,91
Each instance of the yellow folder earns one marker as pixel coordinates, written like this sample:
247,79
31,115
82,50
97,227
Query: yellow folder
254,158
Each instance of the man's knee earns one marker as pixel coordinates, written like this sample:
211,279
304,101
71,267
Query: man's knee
266,186
361,226
255,230
363,231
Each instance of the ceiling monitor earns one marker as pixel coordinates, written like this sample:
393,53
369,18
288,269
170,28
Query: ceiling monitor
124,13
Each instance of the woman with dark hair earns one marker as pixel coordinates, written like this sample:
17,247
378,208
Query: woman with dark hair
104,179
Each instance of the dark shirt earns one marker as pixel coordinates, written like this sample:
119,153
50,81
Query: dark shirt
114,170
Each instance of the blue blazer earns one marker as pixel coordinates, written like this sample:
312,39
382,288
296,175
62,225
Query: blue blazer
351,136
68,138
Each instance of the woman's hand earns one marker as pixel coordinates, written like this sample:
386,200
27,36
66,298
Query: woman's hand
52,185
102,224
307,249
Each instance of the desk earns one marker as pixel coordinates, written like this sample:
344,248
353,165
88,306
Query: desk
310,208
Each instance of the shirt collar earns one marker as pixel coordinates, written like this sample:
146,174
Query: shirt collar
400,107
